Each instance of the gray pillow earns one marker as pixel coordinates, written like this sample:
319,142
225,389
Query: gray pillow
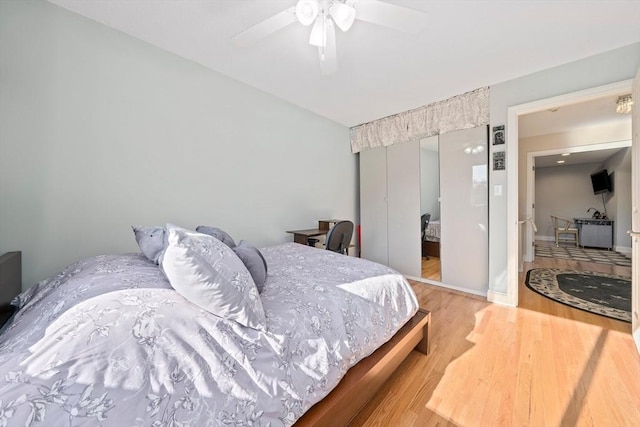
206,272
218,233
152,242
254,261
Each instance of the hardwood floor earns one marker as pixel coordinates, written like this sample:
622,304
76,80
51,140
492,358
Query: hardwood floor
431,268
541,364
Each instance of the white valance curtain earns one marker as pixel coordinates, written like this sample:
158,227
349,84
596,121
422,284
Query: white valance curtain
464,111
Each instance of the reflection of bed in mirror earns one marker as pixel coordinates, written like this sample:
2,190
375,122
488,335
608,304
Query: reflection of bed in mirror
430,203
433,230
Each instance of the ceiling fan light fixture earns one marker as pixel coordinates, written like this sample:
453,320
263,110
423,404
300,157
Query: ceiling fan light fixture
343,15
318,35
307,11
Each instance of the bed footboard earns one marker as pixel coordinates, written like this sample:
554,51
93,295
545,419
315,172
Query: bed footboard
363,380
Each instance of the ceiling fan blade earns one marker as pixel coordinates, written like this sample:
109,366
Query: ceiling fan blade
328,54
391,16
266,27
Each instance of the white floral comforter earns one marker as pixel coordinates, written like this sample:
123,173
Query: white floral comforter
109,342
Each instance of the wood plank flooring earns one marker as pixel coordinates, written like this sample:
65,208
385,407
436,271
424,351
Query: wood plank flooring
541,364
431,268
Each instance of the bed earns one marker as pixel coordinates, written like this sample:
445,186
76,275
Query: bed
433,230
109,341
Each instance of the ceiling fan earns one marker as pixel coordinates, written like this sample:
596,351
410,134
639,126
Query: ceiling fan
325,15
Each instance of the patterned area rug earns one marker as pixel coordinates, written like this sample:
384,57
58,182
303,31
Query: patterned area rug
597,293
582,254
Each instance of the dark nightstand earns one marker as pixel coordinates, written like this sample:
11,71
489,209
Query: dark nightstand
431,248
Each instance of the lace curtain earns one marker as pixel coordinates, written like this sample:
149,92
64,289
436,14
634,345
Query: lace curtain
464,111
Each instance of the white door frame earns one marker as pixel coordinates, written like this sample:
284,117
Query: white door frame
635,215
529,236
512,171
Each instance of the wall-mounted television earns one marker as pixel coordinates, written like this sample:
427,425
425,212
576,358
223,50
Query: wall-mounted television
601,182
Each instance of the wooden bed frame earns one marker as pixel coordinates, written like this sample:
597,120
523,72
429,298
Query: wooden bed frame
362,381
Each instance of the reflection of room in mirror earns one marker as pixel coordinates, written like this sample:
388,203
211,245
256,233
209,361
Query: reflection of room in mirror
431,269
430,177
430,204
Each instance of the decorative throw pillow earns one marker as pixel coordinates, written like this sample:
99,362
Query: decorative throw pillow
152,241
254,261
218,233
208,273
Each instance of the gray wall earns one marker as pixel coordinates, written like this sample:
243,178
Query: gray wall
609,67
592,135
619,201
429,182
99,131
564,191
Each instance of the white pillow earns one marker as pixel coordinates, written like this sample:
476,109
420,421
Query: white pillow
209,274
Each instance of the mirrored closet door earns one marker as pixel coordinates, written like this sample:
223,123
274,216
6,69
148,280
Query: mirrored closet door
445,177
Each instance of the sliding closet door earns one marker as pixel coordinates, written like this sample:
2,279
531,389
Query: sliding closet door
403,207
373,205
464,209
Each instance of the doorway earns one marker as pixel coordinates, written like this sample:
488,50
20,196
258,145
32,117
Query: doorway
513,115
580,162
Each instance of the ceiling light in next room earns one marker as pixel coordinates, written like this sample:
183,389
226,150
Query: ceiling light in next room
560,162
566,154
623,106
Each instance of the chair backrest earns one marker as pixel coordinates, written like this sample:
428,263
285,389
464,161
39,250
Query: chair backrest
424,223
339,237
560,223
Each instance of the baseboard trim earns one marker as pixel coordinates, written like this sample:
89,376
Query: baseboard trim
501,299
545,238
444,285
623,249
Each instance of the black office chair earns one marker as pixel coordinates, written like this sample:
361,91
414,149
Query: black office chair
424,223
339,237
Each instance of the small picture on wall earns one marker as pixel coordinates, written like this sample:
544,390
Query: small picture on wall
498,135
498,161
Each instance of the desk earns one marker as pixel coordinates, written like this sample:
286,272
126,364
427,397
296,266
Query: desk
595,233
301,236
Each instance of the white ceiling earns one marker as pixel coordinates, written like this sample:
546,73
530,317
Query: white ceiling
596,157
598,112
466,45
589,114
